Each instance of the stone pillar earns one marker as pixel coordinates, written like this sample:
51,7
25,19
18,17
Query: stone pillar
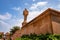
25,13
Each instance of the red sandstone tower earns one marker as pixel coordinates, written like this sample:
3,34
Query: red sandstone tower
25,13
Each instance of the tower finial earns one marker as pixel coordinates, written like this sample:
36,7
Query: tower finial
25,13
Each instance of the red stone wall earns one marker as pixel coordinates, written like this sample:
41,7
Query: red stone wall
16,35
56,24
44,24
56,27
40,26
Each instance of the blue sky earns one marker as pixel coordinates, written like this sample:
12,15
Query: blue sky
11,11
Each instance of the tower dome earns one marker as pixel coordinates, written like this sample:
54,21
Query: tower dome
25,13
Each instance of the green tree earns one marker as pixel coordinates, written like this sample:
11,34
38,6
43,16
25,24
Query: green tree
14,29
0,36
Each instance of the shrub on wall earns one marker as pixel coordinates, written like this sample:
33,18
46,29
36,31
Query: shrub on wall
0,36
40,37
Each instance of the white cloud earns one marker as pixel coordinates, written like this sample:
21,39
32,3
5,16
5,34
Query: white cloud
16,8
5,27
18,22
33,14
6,16
36,9
38,4
33,0
3,23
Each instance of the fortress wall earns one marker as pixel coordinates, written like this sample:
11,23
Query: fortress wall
45,26
56,24
17,34
56,27
27,30
40,26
